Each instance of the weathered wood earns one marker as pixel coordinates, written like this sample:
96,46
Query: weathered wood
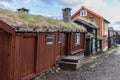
4,56
45,53
7,28
27,54
77,48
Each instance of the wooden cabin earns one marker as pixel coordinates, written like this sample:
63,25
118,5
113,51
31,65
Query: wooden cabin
110,37
100,21
91,35
30,45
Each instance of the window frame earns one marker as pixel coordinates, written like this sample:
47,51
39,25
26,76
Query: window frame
77,38
48,37
93,43
60,38
83,13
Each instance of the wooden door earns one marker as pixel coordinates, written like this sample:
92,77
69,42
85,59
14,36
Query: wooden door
4,56
28,52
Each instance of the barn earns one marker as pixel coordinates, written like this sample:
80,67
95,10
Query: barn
30,44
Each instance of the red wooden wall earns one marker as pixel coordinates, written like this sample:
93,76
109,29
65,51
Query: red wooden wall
77,48
45,53
6,56
25,55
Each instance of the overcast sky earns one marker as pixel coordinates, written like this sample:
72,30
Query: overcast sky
109,9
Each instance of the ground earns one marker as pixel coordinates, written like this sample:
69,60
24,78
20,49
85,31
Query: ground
103,68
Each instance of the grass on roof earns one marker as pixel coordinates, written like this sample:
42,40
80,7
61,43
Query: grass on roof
37,20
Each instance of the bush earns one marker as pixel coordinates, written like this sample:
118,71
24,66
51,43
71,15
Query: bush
115,46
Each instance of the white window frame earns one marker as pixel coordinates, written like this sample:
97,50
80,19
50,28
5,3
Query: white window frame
77,38
83,13
47,37
98,44
93,43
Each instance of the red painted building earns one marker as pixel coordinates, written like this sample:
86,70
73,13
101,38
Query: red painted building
28,48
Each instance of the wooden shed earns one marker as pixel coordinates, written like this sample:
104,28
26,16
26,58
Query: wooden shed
29,44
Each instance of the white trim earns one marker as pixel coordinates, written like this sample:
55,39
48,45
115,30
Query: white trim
83,13
77,38
50,36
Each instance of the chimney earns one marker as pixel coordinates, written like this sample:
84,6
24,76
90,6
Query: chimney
23,10
67,14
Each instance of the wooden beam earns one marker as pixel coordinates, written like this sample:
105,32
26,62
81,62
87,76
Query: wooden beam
7,28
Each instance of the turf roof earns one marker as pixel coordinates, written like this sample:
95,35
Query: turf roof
24,20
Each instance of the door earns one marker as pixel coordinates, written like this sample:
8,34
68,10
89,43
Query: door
28,56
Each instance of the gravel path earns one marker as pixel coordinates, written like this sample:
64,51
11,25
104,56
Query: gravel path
102,69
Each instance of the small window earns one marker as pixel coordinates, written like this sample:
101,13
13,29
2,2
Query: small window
98,44
94,31
77,38
93,43
49,39
83,13
92,19
60,38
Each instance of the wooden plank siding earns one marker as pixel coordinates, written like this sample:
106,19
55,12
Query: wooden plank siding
4,56
7,28
26,54
77,48
46,53
60,48
17,61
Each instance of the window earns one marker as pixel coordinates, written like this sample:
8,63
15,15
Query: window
98,44
60,38
83,13
94,31
93,43
92,19
105,28
77,38
49,39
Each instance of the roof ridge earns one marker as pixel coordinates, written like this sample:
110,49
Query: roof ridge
94,13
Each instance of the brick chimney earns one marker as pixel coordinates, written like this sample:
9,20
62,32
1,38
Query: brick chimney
23,10
67,14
